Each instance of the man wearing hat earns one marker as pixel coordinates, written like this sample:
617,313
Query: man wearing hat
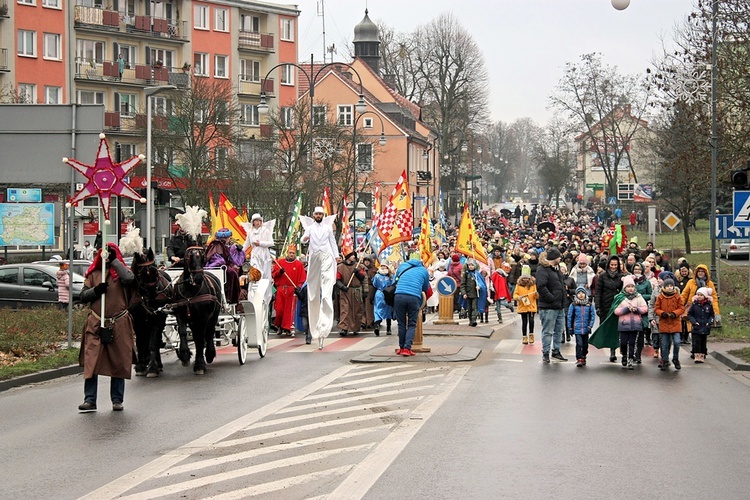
349,280
288,275
550,285
368,292
321,272
222,251
260,239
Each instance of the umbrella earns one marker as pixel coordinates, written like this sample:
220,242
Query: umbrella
506,212
545,226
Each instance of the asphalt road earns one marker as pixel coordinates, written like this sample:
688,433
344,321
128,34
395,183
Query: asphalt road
305,424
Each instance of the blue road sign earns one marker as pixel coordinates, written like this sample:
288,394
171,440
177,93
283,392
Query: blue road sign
446,286
612,200
742,208
726,229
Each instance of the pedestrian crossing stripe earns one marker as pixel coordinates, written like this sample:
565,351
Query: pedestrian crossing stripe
568,349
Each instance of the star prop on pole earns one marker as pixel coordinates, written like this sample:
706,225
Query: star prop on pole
105,178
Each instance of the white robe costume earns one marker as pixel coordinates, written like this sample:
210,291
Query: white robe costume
260,258
321,273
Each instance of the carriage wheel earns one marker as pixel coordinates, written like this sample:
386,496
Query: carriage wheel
241,338
263,333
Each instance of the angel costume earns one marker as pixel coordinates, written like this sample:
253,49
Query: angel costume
260,238
321,273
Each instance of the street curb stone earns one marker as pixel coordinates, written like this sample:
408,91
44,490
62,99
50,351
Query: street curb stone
732,362
44,376
438,355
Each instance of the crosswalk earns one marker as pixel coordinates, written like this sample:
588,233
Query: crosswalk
332,344
331,439
568,349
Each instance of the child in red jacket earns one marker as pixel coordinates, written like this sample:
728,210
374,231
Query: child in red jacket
501,290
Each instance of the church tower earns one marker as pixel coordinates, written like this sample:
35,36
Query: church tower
367,43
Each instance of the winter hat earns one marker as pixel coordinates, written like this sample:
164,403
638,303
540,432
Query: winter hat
684,263
667,275
553,253
582,289
668,282
455,257
526,271
256,217
563,268
705,291
627,281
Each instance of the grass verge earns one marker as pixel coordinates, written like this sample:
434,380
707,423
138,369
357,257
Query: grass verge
59,359
743,354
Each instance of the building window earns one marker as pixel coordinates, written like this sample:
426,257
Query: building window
200,13
220,66
27,2
287,117
364,157
123,152
27,93
90,97
220,20
287,30
222,158
125,104
200,64
52,95
287,74
27,43
90,51
345,115
319,115
52,46
128,52
222,112
249,115
165,56
250,70
250,23
55,4
201,110
367,122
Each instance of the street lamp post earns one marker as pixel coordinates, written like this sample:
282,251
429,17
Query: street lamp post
150,230
714,139
381,142
312,79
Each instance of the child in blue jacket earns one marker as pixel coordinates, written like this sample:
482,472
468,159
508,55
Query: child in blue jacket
581,316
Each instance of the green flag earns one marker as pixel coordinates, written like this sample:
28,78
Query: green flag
292,234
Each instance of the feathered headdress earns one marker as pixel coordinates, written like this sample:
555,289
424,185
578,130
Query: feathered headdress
191,221
132,242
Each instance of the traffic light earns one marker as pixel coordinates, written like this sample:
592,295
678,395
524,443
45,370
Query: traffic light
740,178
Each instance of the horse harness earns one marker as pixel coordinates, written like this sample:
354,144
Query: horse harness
211,296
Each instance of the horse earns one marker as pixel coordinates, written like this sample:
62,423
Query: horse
153,290
196,302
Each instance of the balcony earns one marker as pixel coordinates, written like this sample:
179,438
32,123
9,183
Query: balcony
146,27
4,10
133,74
251,88
254,41
4,61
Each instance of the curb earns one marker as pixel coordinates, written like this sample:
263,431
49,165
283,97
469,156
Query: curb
44,376
730,361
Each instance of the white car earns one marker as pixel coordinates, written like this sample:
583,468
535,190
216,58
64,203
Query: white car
734,248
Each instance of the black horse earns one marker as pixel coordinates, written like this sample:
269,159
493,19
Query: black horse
153,290
196,303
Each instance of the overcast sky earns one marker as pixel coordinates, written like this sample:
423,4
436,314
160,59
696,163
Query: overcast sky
526,43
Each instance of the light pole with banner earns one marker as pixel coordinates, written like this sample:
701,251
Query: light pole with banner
149,237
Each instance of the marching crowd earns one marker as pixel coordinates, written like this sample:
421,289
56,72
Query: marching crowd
567,267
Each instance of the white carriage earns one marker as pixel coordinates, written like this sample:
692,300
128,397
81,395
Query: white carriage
245,330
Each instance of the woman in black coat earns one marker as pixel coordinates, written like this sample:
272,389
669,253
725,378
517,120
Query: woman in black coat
608,284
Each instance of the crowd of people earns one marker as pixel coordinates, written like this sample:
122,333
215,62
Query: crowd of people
569,268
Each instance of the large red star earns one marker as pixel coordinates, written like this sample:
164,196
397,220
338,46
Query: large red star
105,178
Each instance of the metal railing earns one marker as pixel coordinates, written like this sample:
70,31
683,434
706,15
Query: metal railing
4,9
111,20
246,86
255,40
133,73
4,60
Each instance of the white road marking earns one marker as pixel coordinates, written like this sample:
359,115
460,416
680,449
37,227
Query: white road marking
283,484
366,380
381,395
369,389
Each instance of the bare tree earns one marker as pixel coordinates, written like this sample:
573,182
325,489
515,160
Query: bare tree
556,158
607,107
397,66
522,135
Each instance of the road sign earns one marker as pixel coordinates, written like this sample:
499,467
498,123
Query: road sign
742,208
671,220
612,200
726,230
446,286
24,195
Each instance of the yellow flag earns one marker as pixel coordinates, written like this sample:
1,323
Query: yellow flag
468,242
425,243
215,220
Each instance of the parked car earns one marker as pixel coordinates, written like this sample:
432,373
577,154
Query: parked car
734,248
79,266
33,285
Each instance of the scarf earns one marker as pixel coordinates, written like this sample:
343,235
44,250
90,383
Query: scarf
639,278
674,291
700,282
630,296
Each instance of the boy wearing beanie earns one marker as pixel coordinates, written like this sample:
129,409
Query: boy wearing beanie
581,316
668,310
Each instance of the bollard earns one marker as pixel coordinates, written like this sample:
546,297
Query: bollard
417,344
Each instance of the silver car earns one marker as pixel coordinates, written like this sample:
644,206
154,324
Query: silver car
33,285
734,248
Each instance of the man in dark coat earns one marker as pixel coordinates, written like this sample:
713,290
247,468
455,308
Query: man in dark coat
178,244
349,280
550,285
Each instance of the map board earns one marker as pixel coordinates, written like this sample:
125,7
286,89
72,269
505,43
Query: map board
27,224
